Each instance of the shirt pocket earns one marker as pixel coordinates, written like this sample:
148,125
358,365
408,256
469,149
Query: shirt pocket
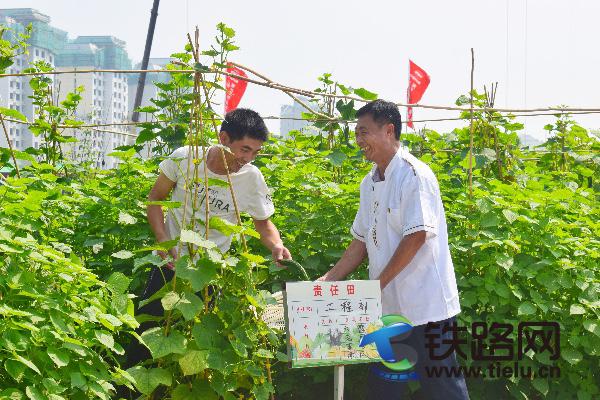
395,220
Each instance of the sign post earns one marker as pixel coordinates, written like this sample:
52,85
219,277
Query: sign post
325,322
338,382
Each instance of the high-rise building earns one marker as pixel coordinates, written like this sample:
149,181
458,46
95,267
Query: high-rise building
45,42
291,119
105,97
150,89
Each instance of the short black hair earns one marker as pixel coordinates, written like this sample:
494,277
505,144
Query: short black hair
244,122
383,112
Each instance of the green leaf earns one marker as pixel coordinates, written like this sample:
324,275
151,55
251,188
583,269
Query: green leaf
161,345
15,369
165,204
96,389
505,261
262,391
572,356
246,230
365,94
264,353
165,246
10,113
210,53
592,326
27,363
238,347
109,321
541,385
346,110
118,283
510,216
199,276
489,220
126,219
227,31
34,393
199,390
223,226
207,332
147,109
217,182
169,300
282,357
526,308
188,236
105,338
255,258
123,254
123,155
146,380
337,157
59,357
77,380
194,362
576,309
200,68
190,305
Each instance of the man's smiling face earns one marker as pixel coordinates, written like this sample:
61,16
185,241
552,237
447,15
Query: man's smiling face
243,150
375,140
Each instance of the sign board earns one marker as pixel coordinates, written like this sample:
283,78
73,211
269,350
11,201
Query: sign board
326,320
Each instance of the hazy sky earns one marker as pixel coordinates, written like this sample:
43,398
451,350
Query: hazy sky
542,52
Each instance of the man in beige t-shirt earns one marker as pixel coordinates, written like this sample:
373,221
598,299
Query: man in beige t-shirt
243,133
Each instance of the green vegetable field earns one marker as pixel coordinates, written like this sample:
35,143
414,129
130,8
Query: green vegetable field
76,248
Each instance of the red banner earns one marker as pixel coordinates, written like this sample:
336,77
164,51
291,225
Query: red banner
234,88
418,80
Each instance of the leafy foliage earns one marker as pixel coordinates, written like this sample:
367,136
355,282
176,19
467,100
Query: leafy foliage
75,250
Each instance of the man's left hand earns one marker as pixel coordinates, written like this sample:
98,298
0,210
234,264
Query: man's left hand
280,252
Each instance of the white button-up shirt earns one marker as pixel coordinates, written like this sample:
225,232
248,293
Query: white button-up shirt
407,201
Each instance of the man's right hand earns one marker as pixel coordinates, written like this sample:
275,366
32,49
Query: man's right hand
164,255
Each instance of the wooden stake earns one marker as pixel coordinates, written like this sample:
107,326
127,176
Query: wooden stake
471,129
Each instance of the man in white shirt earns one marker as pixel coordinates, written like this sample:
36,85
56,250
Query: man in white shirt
401,227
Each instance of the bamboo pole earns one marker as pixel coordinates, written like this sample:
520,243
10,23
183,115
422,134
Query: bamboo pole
471,129
309,93
223,158
297,100
293,119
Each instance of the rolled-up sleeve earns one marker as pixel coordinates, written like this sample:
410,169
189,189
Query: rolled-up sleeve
420,206
260,204
171,166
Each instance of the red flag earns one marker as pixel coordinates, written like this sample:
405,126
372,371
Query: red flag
234,88
418,81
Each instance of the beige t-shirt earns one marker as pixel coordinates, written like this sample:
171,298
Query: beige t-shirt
251,193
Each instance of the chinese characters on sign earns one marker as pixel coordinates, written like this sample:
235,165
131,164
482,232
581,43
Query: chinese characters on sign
326,320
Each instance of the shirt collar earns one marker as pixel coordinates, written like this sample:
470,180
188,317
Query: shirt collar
390,168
